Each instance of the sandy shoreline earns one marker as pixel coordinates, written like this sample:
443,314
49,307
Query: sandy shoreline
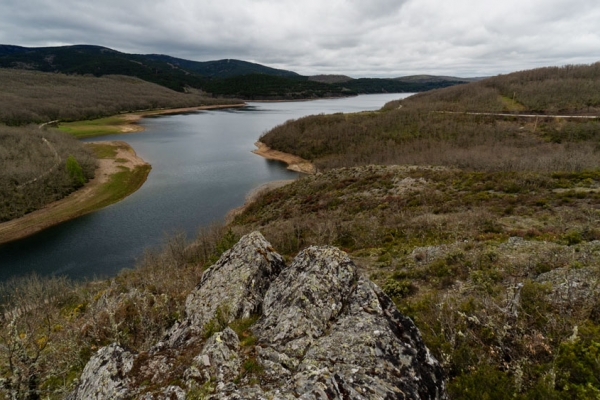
78,203
294,163
131,120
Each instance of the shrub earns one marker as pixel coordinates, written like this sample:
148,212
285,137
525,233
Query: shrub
74,170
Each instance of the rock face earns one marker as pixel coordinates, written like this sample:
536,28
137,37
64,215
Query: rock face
320,331
105,375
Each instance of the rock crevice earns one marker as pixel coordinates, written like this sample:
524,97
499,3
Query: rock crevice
322,332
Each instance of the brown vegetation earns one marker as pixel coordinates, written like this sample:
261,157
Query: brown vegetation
49,327
119,173
31,96
34,168
493,251
414,131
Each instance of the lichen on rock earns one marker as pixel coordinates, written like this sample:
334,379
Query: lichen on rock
323,331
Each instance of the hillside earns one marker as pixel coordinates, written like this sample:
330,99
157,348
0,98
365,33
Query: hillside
419,130
330,78
36,97
222,78
222,68
434,78
481,227
35,162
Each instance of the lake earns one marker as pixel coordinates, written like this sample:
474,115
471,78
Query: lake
202,167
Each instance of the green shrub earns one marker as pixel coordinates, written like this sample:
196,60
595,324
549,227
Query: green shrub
398,289
484,383
75,171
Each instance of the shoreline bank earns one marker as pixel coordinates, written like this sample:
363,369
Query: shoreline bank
127,122
116,177
294,163
135,117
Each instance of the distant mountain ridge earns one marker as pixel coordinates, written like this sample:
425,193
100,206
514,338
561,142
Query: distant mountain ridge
435,78
220,78
172,72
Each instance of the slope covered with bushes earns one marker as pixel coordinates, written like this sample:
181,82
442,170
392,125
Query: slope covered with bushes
36,97
434,128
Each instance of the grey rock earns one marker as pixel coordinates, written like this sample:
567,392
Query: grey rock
219,360
105,375
324,332
234,287
305,298
169,393
572,287
236,283
332,334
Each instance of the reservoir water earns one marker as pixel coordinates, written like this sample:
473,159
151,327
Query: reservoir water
202,167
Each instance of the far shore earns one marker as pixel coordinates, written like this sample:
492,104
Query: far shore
127,122
95,194
116,177
133,118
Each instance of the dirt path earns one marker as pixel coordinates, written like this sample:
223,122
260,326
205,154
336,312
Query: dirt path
294,163
77,203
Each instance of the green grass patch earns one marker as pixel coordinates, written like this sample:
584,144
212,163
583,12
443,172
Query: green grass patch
509,104
121,185
103,150
95,127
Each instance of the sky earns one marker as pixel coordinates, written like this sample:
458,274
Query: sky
359,38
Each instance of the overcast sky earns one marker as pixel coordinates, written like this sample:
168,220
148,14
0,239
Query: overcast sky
360,38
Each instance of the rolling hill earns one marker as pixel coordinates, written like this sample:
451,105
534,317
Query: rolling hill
221,78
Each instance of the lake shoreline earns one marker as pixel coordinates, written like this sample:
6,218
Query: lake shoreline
123,166
295,163
135,117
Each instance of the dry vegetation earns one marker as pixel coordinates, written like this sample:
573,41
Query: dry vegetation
414,131
493,251
39,166
31,96
50,327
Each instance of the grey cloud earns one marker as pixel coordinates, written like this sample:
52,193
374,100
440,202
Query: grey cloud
354,37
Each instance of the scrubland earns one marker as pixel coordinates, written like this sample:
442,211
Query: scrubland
482,229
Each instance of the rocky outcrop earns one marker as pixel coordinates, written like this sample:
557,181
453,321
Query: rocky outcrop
320,331
105,375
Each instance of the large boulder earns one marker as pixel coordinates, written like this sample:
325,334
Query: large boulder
323,332
105,375
332,334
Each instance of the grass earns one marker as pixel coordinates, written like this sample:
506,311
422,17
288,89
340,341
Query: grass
509,104
96,127
119,186
102,150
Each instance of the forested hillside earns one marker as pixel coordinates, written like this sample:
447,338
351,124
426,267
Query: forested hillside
38,167
36,97
417,130
228,78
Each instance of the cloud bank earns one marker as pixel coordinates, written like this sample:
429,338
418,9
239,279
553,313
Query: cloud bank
376,38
